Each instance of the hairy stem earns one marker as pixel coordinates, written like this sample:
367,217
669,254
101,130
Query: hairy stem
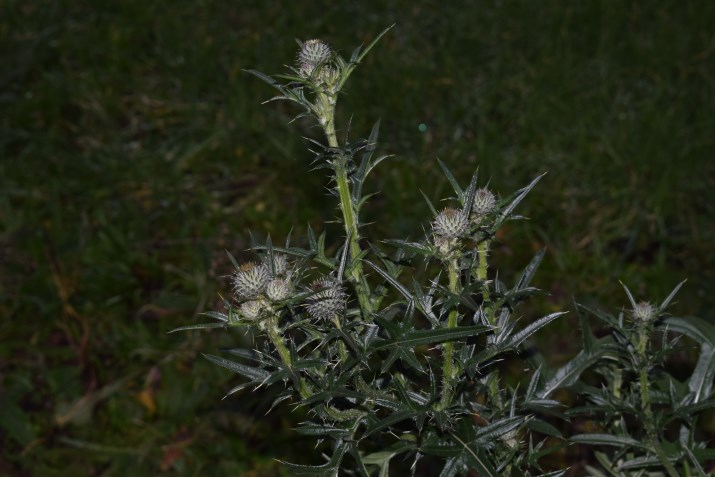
482,255
448,370
482,267
350,220
277,340
648,418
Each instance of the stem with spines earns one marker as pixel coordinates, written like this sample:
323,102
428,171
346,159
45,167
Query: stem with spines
448,347
648,418
326,117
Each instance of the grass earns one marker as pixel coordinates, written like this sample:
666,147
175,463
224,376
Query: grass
135,150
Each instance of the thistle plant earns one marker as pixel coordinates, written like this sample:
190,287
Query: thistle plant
647,417
401,374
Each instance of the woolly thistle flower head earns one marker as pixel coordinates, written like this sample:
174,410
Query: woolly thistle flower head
278,289
328,300
280,264
250,280
450,223
644,311
484,202
251,310
312,54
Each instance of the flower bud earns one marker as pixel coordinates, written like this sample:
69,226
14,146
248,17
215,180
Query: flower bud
280,264
312,54
644,312
250,280
251,310
329,299
450,223
484,203
278,289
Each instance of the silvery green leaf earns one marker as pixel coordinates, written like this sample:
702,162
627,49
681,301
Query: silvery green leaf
672,294
696,328
529,271
200,326
423,337
569,373
701,381
452,181
518,338
515,199
247,371
608,440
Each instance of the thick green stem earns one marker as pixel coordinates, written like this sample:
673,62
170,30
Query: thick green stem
327,120
284,353
649,421
448,369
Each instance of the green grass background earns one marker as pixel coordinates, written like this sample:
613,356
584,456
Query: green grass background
135,151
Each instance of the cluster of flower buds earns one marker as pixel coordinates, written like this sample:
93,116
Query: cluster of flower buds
259,284
451,225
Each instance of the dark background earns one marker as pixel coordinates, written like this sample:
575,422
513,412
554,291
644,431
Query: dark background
135,151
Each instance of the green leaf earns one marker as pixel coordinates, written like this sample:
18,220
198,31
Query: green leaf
314,429
392,281
393,418
517,198
695,462
364,168
453,467
468,199
518,338
423,337
429,204
639,463
544,428
374,42
415,247
630,295
452,181
329,469
497,429
587,338
696,328
477,459
701,381
382,458
672,294
569,373
529,271
255,374
200,326
608,440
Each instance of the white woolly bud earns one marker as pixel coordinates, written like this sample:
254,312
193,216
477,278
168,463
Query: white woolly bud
328,300
312,54
250,280
484,202
278,289
450,223
251,310
644,311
